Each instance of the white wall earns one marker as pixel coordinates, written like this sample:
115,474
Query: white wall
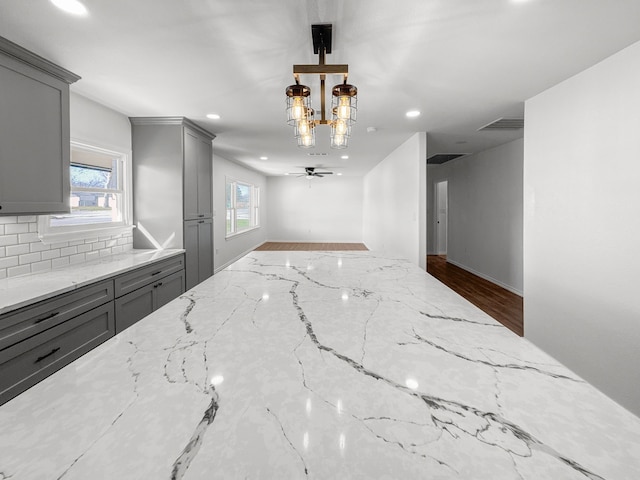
395,202
582,224
327,209
485,213
228,250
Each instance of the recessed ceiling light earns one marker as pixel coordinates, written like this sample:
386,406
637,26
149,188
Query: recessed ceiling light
286,174
339,174
413,113
264,158
71,6
345,157
213,116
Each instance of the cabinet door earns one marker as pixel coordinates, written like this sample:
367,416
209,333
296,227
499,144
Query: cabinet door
205,169
191,248
133,307
191,160
205,249
169,288
34,140
30,361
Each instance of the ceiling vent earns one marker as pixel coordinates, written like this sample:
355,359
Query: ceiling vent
504,124
440,158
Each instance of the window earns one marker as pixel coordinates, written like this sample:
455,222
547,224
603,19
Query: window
243,207
98,200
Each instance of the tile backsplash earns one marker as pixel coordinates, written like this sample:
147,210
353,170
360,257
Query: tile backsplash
22,252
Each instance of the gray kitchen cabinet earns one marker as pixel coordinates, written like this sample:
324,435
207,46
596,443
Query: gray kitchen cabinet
39,339
141,291
198,237
172,184
34,133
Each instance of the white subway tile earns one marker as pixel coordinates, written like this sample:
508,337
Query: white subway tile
1,229
27,219
111,243
123,241
105,252
98,245
90,240
104,239
68,251
21,270
59,245
128,247
15,250
79,258
92,255
49,254
41,266
59,262
30,258
76,242
84,248
9,262
38,247
28,237
117,249
3,273
2,251
8,240
33,227
16,228
4,220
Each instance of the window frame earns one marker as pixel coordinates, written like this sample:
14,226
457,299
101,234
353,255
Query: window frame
53,234
231,208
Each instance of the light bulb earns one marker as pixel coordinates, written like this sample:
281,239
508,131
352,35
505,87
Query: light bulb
298,109
341,127
344,108
306,140
338,140
303,127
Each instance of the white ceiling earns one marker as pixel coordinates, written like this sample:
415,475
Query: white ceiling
463,63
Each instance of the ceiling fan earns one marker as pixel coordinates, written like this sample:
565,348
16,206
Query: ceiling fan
310,172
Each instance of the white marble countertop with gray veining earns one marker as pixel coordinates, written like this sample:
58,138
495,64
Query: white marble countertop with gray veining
17,292
317,365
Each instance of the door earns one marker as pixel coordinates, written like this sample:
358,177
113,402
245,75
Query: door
442,207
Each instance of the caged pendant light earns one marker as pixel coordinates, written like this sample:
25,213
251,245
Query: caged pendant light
344,100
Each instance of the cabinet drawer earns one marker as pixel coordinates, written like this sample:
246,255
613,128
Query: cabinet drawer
26,322
133,307
140,277
30,361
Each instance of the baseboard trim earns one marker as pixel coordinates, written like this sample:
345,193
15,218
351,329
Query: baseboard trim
219,269
488,278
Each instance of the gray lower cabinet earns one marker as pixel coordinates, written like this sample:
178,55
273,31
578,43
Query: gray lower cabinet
25,363
136,305
41,338
198,239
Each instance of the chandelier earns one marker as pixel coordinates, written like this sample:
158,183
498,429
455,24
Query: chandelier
344,99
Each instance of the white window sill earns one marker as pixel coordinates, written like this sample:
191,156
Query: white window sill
57,237
237,234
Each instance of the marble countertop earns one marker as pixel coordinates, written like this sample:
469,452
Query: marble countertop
17,292
303,365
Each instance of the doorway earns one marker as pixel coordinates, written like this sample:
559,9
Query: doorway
441,216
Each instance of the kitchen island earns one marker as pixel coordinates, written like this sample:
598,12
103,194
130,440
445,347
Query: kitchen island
317,365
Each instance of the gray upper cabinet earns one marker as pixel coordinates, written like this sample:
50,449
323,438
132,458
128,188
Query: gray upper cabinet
34,133
172,184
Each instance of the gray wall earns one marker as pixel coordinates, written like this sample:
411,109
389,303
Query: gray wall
485,213
582,224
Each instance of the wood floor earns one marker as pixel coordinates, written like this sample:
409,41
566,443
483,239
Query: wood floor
501,304
285,246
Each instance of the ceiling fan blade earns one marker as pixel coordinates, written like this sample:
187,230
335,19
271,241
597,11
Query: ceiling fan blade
324,173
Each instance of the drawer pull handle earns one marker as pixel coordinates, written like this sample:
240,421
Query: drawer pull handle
46,317
156,273
201,216
47,355
157,285
200,221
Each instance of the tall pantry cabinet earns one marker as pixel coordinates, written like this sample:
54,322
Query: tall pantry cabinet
172,190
